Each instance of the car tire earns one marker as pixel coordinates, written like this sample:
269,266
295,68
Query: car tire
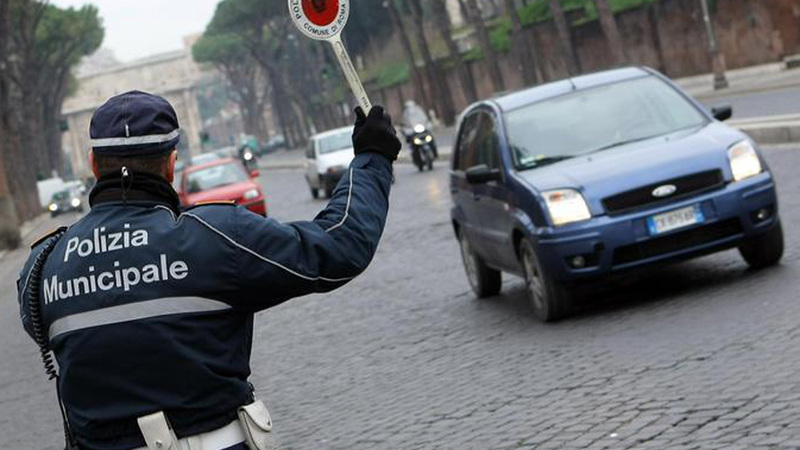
314,192
764,251
485,281
550,299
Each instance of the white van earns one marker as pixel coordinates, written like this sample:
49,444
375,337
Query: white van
328,156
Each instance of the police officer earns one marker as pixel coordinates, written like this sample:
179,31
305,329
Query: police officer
149,309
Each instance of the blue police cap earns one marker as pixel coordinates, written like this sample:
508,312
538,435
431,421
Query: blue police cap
134,124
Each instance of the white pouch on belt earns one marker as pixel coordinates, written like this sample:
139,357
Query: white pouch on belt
257,426
157,433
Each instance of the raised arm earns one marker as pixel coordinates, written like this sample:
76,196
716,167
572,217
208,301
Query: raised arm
281,261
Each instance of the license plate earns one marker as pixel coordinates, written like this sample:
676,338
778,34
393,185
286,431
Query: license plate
675,220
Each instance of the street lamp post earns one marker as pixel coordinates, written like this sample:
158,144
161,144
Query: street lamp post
717,58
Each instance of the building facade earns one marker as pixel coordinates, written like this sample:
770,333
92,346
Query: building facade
174,75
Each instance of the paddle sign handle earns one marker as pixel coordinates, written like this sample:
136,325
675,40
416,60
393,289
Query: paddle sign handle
324,20
350,74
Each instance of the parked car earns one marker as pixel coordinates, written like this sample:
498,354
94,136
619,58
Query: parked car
68,200
274,144
328,156
222,180
596,175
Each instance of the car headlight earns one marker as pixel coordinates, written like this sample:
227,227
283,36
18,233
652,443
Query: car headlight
744,161
76,202
566,206
251,194
428,138
417,141
53,207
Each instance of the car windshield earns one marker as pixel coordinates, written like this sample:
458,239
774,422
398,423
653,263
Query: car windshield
204,159
597,119
340,141
58,196
214,177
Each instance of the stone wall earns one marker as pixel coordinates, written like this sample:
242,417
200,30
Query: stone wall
670,38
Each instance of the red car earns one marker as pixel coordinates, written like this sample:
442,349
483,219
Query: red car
222,180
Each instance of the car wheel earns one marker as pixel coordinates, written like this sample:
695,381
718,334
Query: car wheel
485,281
315,192
764,251
550,299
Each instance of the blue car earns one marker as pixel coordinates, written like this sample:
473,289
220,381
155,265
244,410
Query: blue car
592,176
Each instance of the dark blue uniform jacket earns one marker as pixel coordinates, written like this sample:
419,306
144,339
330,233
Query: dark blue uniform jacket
150,309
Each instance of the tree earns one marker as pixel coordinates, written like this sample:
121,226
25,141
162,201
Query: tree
416,76
522,50
717,58
256,23
446,30
475,17
610,30
443,100
44,43
9,225
565,38
226,52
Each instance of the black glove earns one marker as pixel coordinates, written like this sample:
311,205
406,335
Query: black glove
375,134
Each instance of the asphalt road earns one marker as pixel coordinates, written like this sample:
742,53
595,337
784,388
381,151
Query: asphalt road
697,355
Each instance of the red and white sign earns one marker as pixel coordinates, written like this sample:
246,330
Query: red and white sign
320,19
324,20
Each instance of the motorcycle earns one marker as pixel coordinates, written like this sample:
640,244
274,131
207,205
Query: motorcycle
249,160
423,147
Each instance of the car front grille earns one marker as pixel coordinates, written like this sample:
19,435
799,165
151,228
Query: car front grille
643,197
678,241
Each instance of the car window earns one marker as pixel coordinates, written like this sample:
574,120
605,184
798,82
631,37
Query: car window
310,150
597,118
468,143
214,177
340,141
488,142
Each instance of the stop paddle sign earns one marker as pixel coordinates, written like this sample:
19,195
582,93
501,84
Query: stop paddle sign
324,20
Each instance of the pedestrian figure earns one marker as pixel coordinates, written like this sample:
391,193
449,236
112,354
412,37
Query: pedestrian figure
149,309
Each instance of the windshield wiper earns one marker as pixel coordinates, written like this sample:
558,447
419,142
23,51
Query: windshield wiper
620,144
546,161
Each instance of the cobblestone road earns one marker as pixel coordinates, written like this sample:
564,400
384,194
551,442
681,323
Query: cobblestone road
698,355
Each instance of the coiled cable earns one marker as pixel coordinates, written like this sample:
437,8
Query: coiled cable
37,324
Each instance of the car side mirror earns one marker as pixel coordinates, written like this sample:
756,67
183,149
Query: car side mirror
722,113
482,174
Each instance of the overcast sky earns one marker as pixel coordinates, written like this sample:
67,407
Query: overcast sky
137,28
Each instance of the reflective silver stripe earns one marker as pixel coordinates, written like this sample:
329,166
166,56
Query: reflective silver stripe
136,140
347,209
135,311
267,260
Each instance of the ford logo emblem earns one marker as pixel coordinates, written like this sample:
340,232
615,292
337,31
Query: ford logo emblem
664,191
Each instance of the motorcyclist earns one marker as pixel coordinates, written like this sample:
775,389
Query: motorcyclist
414,115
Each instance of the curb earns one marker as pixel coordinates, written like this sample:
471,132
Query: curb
771,130
404,158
